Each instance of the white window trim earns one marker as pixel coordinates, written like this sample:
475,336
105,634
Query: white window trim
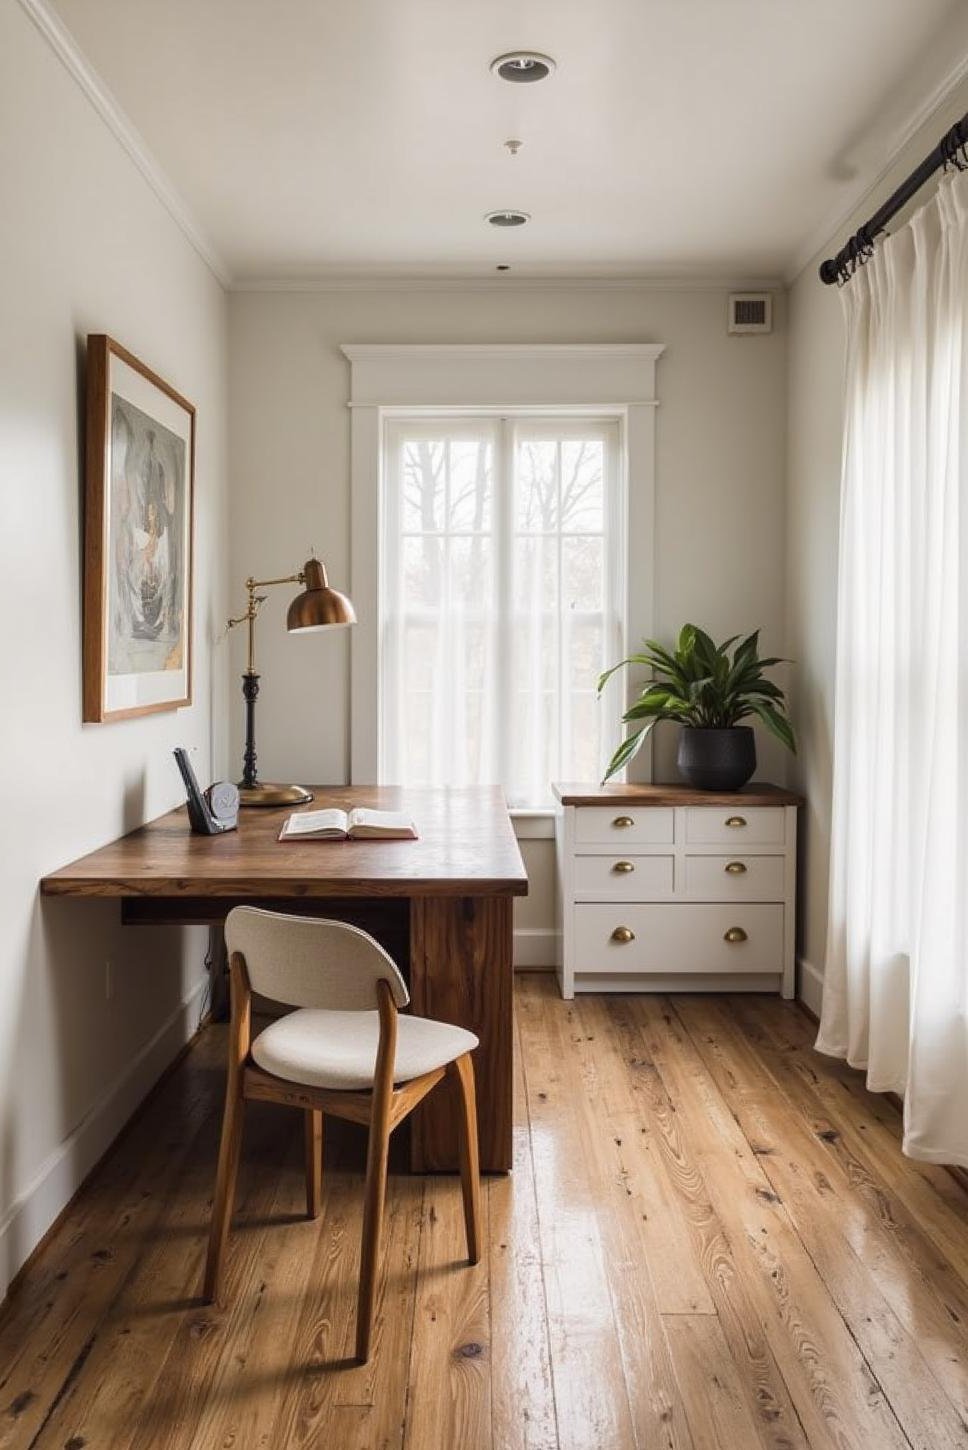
608,379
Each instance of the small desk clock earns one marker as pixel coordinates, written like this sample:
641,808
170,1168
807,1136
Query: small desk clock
214,811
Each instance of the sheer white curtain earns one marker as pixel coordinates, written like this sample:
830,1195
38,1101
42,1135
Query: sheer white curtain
896,977
502,592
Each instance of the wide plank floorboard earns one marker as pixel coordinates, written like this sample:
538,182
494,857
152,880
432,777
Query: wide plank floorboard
710,1241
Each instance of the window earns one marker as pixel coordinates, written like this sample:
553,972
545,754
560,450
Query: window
501,599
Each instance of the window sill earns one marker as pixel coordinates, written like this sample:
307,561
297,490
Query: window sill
533,825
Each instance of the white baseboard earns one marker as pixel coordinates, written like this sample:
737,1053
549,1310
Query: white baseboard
535,946
809,985
64,1170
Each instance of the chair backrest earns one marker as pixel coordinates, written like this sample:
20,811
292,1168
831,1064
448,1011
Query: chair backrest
306,962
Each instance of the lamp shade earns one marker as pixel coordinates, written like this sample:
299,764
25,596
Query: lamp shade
318,606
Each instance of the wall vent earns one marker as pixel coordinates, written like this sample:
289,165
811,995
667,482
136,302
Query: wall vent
750,312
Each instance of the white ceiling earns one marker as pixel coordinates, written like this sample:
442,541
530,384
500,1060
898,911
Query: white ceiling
326,138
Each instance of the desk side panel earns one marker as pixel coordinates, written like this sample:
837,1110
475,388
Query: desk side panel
461,972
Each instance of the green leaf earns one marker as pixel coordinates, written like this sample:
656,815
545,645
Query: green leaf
765,687
669,709
705,649
626,751
655,697
776,723
747,650
606,675
662,657
686,644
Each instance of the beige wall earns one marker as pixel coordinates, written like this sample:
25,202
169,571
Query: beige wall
84,246
718,552
815,406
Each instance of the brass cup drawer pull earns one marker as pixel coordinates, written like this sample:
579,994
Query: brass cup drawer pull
623,822
735,934
623,867
736,820
735,868
623,934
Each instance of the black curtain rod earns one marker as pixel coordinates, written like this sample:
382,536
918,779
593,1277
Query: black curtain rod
950,151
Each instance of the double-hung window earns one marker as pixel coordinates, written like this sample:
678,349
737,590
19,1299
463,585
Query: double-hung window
502,592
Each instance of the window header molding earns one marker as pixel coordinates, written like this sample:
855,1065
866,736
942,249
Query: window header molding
502,374
367,351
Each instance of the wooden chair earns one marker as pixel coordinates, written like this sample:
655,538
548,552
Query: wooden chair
344,1051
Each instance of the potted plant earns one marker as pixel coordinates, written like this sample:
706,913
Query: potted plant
708,694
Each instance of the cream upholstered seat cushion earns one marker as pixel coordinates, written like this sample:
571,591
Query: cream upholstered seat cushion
338,1049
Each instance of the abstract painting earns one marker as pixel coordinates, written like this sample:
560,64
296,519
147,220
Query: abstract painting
138,538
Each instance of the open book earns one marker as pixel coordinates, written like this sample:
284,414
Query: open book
355,825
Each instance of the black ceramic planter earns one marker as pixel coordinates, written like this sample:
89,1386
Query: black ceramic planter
717,759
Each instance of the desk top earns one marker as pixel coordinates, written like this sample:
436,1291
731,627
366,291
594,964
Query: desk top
466,847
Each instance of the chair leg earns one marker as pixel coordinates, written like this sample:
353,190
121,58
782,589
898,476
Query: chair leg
225,1178
470,1170
314,1161
376,1185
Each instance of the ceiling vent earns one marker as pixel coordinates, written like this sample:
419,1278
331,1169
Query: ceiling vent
750,312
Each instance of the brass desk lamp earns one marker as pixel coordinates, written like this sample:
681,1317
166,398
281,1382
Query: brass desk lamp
317,607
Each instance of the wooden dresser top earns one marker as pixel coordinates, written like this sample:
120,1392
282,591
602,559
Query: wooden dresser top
757,793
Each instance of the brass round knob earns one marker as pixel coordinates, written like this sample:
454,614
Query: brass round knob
735,934
623,867
623,822
623,934
736,820
735,868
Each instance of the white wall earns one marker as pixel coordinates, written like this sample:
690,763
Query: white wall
85,246
720,528
815,420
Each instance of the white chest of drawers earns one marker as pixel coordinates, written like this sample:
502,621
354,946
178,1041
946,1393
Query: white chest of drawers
669,889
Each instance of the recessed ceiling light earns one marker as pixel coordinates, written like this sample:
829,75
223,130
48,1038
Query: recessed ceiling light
507,217
523,66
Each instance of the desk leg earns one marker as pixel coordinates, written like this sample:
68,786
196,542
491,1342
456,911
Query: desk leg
218,974
460,971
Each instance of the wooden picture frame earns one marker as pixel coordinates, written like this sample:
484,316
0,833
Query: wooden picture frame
138,538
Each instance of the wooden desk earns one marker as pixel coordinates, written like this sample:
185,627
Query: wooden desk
440,904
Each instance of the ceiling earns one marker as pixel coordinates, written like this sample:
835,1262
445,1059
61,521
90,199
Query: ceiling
364,138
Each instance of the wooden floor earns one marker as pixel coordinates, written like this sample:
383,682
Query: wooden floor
710,1239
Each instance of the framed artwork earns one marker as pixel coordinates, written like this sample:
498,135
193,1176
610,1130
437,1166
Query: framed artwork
138,536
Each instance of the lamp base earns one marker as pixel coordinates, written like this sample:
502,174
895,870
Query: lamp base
261,794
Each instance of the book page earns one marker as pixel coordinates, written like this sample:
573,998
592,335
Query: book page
363,823
316,823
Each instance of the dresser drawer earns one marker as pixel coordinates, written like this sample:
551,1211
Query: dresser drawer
676,937
622,878
735,828
734,878
624,826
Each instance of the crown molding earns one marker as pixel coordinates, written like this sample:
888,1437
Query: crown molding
69,53
359,282
825,235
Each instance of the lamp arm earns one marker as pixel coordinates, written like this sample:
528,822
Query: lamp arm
251,613
299,578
